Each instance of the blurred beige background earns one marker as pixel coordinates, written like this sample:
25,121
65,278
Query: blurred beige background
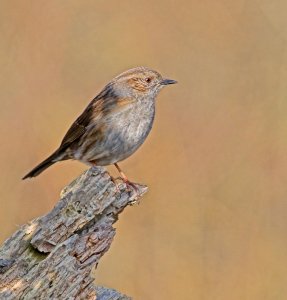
213,225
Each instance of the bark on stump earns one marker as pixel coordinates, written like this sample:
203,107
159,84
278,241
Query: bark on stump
52,256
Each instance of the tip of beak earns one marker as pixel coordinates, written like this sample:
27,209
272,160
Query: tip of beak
168,81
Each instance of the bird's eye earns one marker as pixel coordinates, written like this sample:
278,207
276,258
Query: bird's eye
148,79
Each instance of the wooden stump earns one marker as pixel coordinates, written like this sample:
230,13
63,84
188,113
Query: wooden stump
52,256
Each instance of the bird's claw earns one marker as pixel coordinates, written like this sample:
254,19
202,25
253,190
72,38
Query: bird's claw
130,187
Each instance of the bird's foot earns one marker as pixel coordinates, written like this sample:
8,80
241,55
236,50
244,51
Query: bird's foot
130,187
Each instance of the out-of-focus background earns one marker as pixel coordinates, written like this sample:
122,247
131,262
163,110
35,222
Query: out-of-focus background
213,225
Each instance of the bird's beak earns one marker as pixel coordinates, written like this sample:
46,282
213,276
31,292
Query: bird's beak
167,82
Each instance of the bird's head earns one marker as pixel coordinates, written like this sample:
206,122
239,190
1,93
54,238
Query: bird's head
140,82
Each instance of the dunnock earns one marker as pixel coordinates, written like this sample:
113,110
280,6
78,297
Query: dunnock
114,124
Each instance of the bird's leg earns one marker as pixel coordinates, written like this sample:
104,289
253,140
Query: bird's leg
123,175
125,179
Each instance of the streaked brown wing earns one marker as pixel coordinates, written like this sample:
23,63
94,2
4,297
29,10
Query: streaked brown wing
99,106
105,103
78,128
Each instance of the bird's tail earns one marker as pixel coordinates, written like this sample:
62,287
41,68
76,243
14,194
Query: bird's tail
44,165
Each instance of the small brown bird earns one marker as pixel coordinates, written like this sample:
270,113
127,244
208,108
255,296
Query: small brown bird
115,123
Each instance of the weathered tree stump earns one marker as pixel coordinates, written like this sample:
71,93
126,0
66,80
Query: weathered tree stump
52,256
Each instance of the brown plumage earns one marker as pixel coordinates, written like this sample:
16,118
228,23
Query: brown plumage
114,124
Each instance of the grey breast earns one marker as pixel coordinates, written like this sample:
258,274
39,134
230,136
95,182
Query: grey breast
124,133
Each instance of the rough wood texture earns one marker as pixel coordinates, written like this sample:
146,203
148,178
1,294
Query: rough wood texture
52,256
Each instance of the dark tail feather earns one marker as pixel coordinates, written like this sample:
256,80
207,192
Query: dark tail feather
43,165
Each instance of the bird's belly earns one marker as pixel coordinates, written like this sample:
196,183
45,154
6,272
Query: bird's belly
121,138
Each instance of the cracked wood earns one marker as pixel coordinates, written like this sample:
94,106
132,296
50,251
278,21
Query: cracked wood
52,256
